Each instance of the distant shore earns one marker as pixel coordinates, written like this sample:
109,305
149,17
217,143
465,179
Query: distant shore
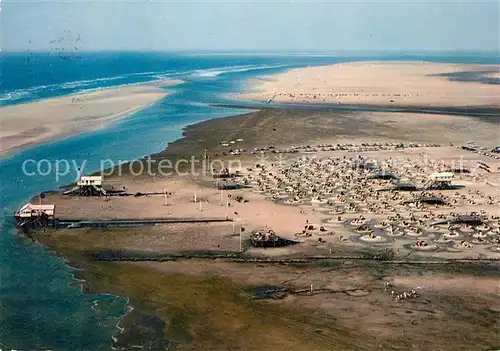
399,84
41,121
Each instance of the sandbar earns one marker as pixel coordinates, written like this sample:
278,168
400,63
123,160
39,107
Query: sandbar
416,84
40,121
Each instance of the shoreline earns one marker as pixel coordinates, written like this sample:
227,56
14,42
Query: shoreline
476,111
73,114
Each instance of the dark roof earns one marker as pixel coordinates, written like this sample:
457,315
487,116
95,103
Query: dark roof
404,186
229,186
382,176
468,219
431,200
427,200
458,170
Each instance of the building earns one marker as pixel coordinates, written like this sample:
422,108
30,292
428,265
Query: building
441,177
440,180
31,210
404,187
90,181
459,170
228,186
429,200
382,176
89,186
35,216
468,219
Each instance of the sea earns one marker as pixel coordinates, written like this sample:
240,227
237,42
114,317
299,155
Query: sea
43,305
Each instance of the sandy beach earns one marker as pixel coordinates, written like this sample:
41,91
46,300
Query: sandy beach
36,122
346,263
328,227
416,84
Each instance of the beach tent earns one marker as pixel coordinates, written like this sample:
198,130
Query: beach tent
442,176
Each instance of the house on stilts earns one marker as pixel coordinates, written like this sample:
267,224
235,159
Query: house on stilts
88,186
35,216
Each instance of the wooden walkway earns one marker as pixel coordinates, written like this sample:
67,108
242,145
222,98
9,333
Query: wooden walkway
131,222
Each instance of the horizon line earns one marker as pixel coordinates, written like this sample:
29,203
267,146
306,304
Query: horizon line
261,52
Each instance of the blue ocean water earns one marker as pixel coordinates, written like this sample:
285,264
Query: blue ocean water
41,304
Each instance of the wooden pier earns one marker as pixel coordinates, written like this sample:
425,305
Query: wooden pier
32,216
131,222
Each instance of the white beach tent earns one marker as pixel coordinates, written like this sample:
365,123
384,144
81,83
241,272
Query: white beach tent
442,176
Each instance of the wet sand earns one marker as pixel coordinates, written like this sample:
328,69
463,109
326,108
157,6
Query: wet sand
41,121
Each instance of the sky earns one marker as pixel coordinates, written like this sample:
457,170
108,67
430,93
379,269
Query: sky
266,26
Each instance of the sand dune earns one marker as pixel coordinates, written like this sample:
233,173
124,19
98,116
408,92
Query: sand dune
380,83
36,122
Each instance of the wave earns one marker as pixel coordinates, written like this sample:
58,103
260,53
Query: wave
214,72
13,95
77,86
81,83
84,85
152,74
21,93
167,75
88,85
